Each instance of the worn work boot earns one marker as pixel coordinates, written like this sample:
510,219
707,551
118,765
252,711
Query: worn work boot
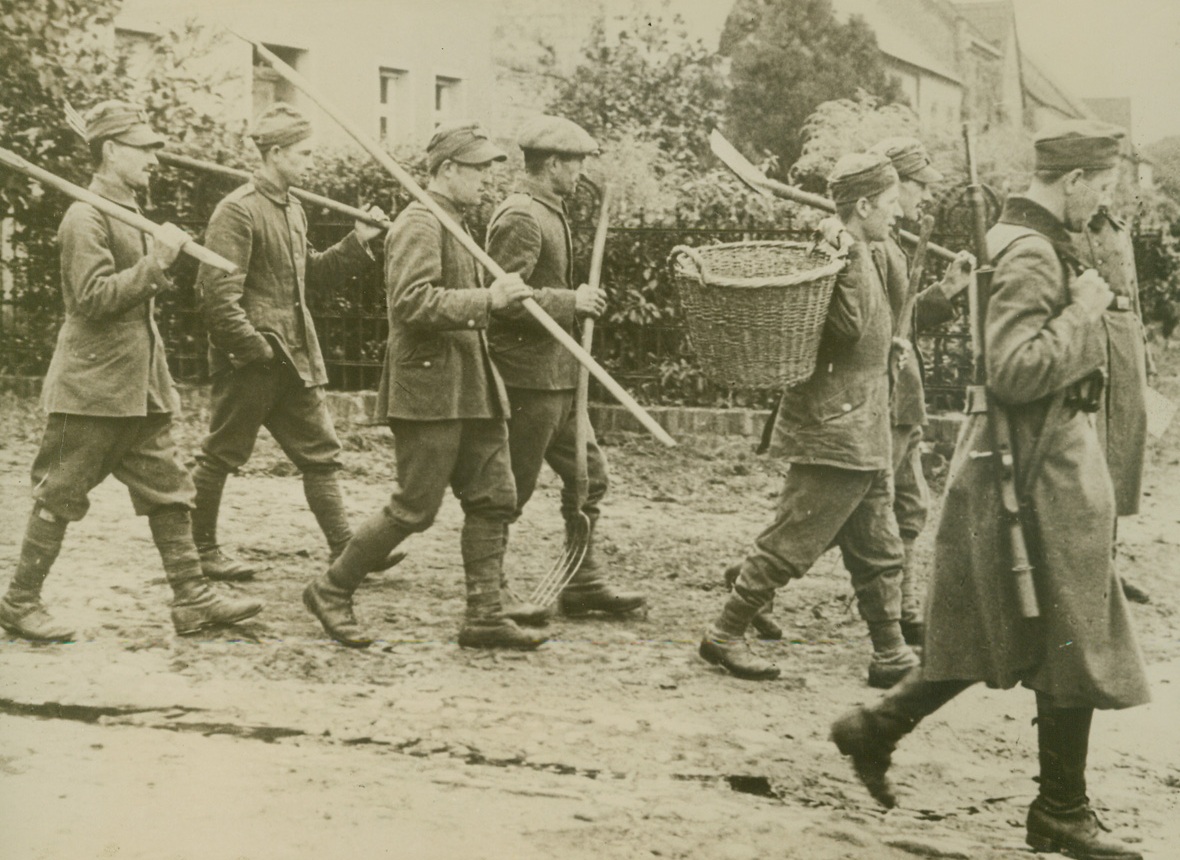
1075,832
324,499
724,643
523,611
888,667
196,605
485,625
329,597
764,624
21,610
913,628
216,564
589,592
1134,593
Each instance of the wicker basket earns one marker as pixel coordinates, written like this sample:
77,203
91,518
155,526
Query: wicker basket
755,310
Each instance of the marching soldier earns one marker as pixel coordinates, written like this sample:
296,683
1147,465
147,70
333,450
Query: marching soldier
444,402
529,235
1044,332
834,431
1105,243
264,356
932,307
109,395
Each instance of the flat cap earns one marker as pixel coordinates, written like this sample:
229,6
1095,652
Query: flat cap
1078,144
545,133
279,125
910,158
121,121
862,174
464,142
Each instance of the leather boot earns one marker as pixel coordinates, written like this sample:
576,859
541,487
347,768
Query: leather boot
764,624
879,603
216,564
870,735
913,627
1075,832
514,606
322,491
196,605
589,592
329,597
724,643
21,610
485,626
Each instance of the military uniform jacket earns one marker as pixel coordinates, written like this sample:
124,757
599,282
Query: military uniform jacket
1122,420
109,359
1082,651
840,415
932,308
529,235
263,231
437,365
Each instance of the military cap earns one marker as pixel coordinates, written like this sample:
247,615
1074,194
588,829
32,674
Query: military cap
1078,144
120,121
545,133
279,125
909,157
464,142
862,174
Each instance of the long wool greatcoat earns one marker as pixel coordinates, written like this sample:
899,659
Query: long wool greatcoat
437,365
109,360
1122,419
1082,651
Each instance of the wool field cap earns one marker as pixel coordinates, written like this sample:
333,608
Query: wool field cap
120,121
910,159
545,133
279,125
1078,145
861,174
462,142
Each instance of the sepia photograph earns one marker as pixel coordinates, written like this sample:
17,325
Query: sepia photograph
531,429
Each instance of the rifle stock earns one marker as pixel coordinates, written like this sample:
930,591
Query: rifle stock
999,430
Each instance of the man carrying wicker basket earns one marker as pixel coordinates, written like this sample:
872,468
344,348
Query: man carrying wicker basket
834,430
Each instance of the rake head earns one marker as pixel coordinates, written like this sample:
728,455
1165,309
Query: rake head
577,540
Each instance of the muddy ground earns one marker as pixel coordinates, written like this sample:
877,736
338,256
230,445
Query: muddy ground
613,741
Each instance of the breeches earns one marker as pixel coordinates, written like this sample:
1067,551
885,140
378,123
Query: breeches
79,451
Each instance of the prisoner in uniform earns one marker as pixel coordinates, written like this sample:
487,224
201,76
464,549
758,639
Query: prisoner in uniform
264,356
931,307
529,234
833,429
443,400
109,394
1044,338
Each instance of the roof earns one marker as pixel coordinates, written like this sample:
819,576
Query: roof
1042,88
900,38
993,19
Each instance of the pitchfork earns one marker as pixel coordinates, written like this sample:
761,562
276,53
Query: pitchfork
577,530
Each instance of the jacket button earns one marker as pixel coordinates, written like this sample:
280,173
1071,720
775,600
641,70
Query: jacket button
92,356
471,323
426,364
847,407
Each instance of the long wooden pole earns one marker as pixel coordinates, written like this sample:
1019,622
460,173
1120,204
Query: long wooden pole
385,160
114,210
175,159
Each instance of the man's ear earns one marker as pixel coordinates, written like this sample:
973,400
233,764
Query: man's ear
1072,178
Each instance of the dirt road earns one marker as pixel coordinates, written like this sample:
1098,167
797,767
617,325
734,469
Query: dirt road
612,741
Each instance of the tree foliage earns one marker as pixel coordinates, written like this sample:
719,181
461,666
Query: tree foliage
788,57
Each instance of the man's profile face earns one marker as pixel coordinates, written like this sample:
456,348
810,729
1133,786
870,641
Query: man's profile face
293,162
915,199
880,213
131,164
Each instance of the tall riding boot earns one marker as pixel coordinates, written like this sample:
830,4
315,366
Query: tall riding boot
215,563
913,627
322,491
879,603
21,610
329,597
517,608
1060,819
482,544
764,624
869,735
196,605
588,590
724,643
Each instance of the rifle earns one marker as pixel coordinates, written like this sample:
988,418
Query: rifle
978,402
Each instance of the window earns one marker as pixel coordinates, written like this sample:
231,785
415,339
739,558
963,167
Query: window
390,101
448,99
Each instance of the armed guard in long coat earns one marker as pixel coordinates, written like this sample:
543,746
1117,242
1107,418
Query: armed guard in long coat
1044,341
834,431
444,401
109,394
